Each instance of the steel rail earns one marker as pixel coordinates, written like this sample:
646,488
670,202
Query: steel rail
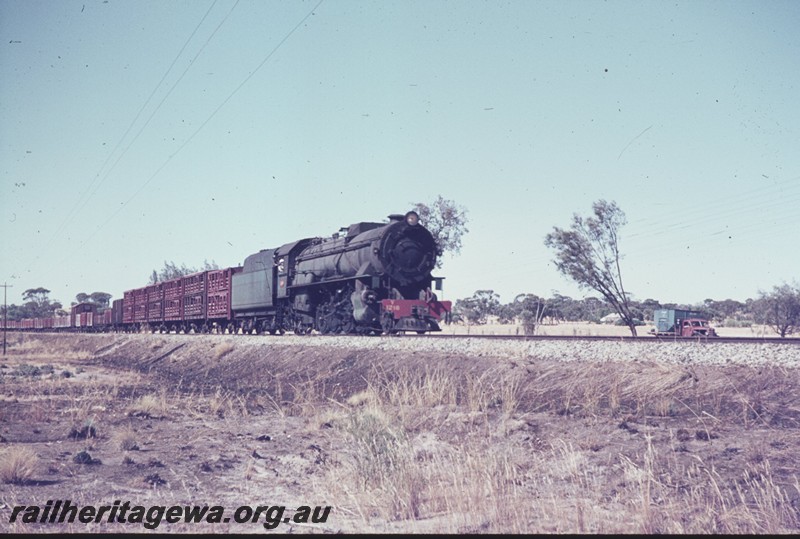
526,338
619,338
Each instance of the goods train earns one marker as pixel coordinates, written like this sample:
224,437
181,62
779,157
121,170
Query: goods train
369,278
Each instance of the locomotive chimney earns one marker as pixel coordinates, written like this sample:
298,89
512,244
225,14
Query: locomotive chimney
395,217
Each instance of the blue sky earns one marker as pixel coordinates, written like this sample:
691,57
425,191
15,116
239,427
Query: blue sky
134,132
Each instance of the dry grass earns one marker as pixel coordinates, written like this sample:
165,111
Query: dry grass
17,465
222,349
465,485
126,439
452,445
150,406
404,462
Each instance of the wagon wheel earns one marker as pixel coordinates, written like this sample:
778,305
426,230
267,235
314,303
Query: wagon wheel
265,327
274,326
286,320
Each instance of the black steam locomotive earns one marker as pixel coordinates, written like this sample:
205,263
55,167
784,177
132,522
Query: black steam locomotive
368,278
376,277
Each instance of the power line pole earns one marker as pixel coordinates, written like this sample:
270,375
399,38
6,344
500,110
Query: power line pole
6,286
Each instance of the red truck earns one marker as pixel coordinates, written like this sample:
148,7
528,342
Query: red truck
680,323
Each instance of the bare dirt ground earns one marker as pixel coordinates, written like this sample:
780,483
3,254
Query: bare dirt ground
393,442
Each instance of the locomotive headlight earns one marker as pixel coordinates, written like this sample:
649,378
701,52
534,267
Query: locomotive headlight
412,218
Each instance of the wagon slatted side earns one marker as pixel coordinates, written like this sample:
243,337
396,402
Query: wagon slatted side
173,300
194,296
219,293
155,303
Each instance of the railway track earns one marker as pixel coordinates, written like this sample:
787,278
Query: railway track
788,341
642,338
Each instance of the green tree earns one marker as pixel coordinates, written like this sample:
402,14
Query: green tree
649,306
779,309
507,313
593,309
101,299
722,310
589,254
173,271
447,223
562,308
15,312
37,304
530,310
477,309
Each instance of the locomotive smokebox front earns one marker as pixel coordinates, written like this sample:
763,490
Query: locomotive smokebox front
407,250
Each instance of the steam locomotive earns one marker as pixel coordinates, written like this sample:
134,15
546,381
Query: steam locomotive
369,278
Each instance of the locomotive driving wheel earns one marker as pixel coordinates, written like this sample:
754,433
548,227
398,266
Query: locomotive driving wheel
348,324
322,320
335,314
344,309
303,328
387,324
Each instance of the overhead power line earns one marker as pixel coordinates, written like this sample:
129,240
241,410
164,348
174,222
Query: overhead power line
97,181
191,137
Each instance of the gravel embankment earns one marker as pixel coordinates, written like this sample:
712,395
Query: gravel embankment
753,354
